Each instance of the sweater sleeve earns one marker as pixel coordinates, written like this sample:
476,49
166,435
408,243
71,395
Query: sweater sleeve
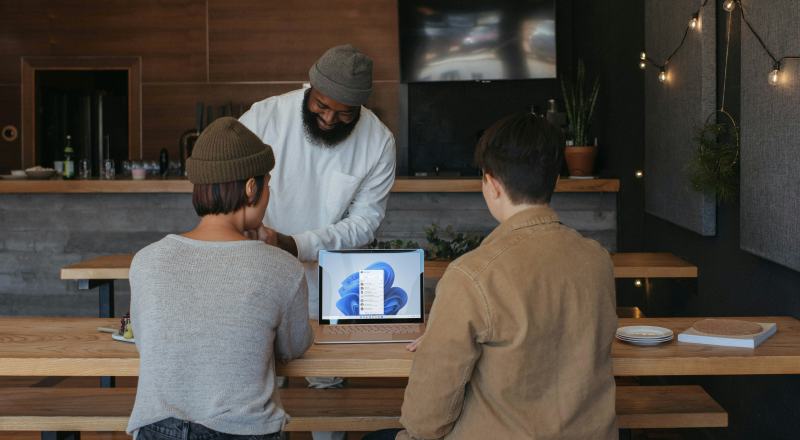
294,334
363,216
443,363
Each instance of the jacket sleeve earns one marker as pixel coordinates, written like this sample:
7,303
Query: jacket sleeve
294,334
363,216
458,326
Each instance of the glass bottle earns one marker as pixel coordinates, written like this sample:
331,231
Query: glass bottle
568,136
69,161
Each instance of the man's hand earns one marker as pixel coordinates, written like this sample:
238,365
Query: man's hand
412,347
265,234
281,358
274,238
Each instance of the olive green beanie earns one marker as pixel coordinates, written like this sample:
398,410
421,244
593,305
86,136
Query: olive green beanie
228,151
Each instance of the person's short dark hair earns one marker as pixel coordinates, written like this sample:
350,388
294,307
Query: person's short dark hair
225,198
524,152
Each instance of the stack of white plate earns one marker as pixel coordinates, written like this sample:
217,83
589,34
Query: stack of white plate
644,335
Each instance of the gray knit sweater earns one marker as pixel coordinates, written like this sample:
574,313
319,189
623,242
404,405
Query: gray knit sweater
207,318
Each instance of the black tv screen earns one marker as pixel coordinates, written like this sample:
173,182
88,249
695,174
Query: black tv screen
468,40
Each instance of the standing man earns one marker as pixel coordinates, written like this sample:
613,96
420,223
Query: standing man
335,165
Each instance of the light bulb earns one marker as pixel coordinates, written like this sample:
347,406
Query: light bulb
642,64
662,76
638,283
729,5
693,23
643,56
639,174
775,77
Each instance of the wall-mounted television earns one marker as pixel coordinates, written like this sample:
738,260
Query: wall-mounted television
468,40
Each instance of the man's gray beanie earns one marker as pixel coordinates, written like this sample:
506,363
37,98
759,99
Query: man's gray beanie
343,74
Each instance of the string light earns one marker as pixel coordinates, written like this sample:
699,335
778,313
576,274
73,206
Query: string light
639,174
693,24
637,283
774,76
729,5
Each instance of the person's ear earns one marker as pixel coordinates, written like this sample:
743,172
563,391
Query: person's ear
495,189
250,188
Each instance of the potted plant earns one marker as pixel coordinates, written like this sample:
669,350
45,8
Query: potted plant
580,112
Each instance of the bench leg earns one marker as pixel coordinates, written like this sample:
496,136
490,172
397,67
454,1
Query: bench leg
624,434
61,435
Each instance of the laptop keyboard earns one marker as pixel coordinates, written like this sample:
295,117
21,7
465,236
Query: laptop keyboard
370,328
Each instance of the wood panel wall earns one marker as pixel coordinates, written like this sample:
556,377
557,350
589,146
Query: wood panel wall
213,51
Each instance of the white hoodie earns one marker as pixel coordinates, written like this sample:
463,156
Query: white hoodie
325,198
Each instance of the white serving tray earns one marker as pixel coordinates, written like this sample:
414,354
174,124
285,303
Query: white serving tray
747,341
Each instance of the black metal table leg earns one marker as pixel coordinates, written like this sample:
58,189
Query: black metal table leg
106,294
107,299
61,435
106,291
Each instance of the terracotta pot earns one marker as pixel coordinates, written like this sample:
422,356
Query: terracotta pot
580,160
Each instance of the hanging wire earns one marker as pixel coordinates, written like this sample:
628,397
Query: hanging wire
727,51
758,37
776,63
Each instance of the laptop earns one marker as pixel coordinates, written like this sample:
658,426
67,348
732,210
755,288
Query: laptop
370,296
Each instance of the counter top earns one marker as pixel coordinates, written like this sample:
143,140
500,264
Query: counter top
179,185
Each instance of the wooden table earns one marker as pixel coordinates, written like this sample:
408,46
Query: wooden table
74,347
629,265
102,271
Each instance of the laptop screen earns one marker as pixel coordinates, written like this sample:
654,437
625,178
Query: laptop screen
366,286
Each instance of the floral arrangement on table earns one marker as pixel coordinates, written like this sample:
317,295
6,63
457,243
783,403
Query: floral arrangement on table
443,243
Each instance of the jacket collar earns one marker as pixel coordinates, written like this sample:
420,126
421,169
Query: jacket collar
525,219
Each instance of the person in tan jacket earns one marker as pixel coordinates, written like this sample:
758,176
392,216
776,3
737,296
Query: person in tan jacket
518,344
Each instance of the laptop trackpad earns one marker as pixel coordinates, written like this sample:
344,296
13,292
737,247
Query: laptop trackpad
371,337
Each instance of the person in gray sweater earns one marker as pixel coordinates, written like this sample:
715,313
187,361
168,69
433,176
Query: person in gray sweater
211,310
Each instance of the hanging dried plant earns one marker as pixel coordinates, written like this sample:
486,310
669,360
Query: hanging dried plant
715,165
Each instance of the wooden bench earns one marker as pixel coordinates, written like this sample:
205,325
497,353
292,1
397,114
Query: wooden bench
350,409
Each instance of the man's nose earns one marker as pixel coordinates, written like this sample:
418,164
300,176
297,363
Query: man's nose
329,117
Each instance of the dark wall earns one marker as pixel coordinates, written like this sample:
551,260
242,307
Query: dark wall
445,117
731,282
608,36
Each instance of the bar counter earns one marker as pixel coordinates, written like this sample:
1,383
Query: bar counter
52,224
182,185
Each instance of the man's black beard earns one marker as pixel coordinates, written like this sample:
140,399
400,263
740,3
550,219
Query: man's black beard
326,138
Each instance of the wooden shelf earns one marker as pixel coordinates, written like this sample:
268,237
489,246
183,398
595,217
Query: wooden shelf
178,185
116,267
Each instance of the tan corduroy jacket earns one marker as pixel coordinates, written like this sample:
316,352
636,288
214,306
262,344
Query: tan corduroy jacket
518,345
